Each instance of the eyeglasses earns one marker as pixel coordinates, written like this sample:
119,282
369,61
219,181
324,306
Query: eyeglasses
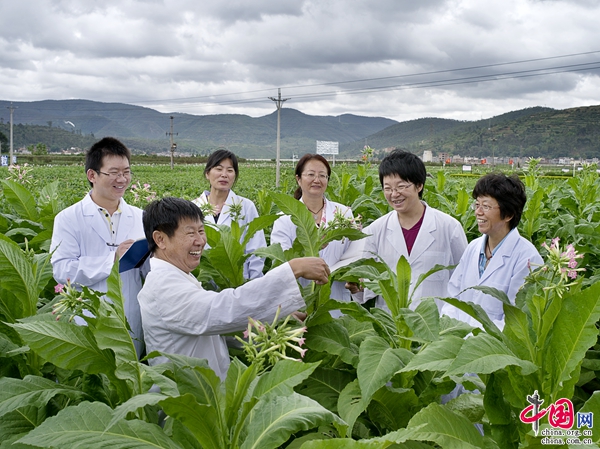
117,174
397,189
483,207
313,176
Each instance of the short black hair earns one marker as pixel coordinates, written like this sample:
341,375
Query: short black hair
108,146
165,215
406,165
508,191
219,155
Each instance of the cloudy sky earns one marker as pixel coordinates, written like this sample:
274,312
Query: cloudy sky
401,59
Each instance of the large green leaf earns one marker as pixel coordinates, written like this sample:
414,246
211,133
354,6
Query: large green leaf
344,233
181,434
272,421
31,391
273,252
436,356
379,319
67,345
111,333
42,271
133,404
518,332
18,423
403,278
484,354
202,420
18,278
357,330
153,376
202,383
377,364
397,440
351,405
325,386
446,428
574,332
238,382
228,257
477,312
424,321
392,408
20,199
86,427
306,231
258,224
282,379
332,338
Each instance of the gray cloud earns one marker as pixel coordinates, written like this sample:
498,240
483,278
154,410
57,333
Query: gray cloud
403,59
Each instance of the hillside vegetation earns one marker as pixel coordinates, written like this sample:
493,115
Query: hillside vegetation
536,132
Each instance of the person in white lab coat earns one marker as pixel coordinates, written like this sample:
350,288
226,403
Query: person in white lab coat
91,234
179,316
423,235
222,172
500,258
312,175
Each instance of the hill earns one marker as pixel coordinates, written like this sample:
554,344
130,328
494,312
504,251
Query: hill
535,132
145,130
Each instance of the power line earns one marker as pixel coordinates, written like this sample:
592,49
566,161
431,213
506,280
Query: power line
435,83
434,72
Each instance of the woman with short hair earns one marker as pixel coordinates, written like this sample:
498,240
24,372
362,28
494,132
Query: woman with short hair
500,258
422,234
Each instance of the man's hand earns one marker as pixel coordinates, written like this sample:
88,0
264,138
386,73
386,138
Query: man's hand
123,247
312,268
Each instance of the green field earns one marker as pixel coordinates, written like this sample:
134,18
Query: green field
370,378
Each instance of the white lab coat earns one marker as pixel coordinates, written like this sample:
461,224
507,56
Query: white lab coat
441,240
284,233
253,267
506,271
81,254
180,317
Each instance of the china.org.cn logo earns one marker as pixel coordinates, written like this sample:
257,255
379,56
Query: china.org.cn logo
561,418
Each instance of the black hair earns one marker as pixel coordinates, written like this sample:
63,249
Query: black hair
300,168
165,215
508,191
406,165
108,146
219,155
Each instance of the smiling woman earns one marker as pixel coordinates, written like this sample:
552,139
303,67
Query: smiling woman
222,206
423,235
500,258
312,176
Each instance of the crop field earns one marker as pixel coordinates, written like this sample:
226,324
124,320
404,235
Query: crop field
371,378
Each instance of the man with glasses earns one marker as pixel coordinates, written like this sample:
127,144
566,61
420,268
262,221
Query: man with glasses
90,235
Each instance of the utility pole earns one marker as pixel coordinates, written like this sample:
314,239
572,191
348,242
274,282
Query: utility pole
11,108
173,145
279,102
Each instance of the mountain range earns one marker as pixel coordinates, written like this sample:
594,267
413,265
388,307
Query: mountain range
534,131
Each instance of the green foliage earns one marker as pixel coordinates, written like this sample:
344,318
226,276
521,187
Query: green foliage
371,378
